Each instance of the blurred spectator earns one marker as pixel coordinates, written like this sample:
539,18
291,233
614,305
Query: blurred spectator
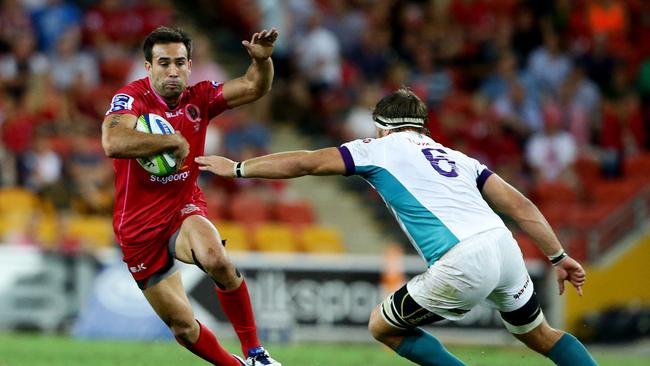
607,17
114,21
582,90
276,14
72,69
407,20
482,135
151,15
92,176
358,122
396,76
433,80
519,111
14,22
623,132
18,130
620,83
348,24
17,67
549,65
551,152
373,54
318,56
579,102
527,34
203,65
599,64
245,137
492,48
497,83
53,20
44,168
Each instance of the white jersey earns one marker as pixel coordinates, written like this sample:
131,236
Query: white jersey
433,191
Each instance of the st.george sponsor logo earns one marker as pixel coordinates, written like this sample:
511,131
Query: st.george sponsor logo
182,176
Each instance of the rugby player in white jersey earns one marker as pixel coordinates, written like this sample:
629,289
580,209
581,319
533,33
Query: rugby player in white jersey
445,202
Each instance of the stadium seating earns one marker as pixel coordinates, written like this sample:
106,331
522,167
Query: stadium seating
528,247
297,213
637,165
47,231
17,207
17,200
92,231
321,239
588,171
235,235
553,192
275,237
249,210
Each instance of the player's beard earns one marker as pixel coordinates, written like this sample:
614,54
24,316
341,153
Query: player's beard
171,91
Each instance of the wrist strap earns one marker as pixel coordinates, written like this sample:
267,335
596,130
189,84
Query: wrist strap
558,257
239,170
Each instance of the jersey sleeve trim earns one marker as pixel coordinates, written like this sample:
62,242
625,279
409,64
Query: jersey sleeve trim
350,168
480,181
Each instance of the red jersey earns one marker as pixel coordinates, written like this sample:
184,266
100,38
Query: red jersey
147,207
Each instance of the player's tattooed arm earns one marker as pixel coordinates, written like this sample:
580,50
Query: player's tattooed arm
121,140
115,121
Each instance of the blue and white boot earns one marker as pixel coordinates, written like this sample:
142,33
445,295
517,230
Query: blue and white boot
258,356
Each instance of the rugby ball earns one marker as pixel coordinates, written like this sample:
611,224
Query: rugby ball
162,164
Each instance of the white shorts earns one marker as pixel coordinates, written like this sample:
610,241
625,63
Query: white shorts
486,267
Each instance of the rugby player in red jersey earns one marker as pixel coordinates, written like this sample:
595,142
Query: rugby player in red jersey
157,219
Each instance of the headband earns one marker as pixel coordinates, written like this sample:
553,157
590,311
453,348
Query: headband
392,123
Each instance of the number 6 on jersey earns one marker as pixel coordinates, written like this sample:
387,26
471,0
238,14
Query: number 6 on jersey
435,162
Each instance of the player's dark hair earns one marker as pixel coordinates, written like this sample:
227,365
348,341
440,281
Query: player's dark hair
166,35
402,103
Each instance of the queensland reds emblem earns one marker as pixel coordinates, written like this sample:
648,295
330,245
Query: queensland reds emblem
194,115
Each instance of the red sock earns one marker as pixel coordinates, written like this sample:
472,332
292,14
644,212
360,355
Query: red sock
237,306
208,348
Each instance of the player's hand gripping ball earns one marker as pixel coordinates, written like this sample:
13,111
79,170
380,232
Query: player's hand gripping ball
161,164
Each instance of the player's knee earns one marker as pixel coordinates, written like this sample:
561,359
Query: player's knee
542,338
214,262
373,324
183,330
377,326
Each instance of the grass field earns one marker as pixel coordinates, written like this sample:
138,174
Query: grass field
32,350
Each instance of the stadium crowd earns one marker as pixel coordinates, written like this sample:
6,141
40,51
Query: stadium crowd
552,95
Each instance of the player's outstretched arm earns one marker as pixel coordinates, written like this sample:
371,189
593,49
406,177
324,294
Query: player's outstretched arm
259,76
281,165
121,140
508,200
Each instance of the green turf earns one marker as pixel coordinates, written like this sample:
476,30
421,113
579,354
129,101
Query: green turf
32,350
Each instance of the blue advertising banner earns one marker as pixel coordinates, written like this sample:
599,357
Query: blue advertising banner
116,309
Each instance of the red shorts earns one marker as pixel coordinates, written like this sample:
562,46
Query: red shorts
149,262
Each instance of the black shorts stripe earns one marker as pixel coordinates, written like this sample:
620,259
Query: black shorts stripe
406,312
525,314
158,276
397,315
389,319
